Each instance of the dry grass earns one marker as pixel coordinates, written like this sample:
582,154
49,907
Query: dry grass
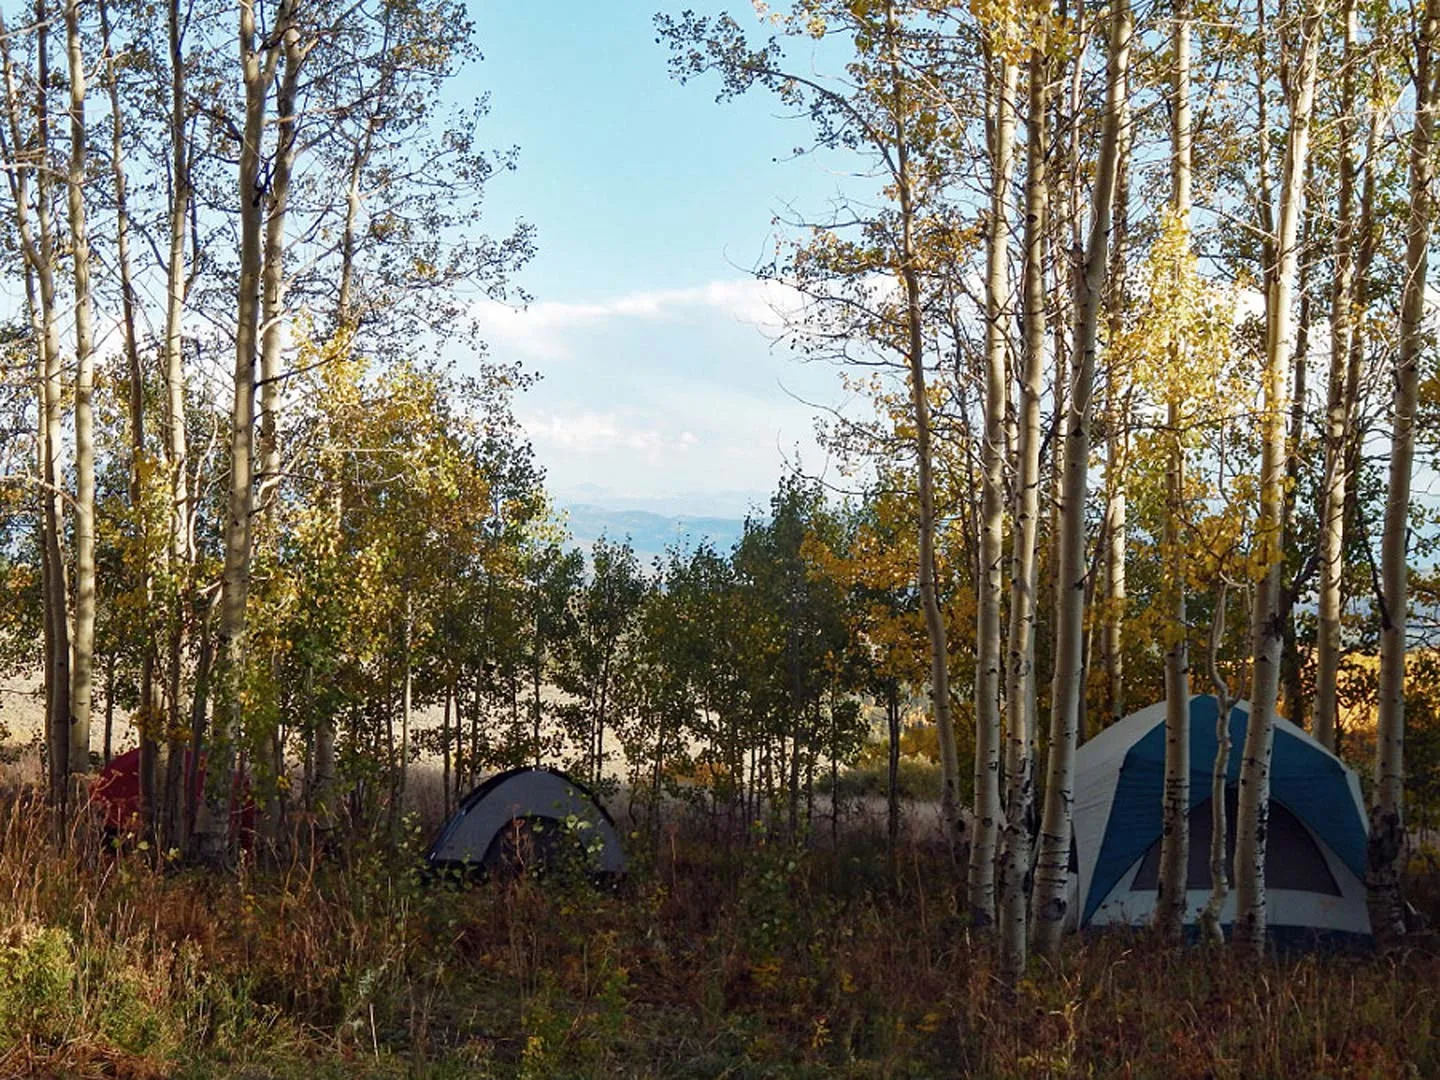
707,962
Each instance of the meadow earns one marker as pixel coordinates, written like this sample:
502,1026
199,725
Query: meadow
750,958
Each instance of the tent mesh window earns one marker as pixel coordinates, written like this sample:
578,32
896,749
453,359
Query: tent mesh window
1292,858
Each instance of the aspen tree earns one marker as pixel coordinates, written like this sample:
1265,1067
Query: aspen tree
83,645
1339,404
1117,442
924,452
272,332
1020,690
258,60
180,553
1001,122
1387,820
1267,629
1170,900
1052,865
1219,774
146,709
37,243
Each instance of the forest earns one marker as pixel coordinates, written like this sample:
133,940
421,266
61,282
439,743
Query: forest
1124,562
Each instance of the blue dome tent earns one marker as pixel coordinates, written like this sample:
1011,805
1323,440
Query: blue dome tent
1315,850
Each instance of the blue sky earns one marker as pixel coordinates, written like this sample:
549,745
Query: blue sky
652,203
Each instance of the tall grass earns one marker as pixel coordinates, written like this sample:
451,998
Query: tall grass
746,961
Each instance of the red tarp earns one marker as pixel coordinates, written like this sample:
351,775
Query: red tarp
117,790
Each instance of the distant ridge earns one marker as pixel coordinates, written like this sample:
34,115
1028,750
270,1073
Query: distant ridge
649,533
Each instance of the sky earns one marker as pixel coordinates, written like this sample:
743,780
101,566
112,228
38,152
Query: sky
660,386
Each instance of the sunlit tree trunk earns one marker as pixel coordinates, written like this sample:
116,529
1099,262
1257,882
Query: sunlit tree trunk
1117,445
181,550
1387,821
258,60
920,405
1253,811
1020,691
992,530
1292,690
445,742
1339,405
407,703
1052,865
1175,811
1219,773
82,670
146,709
272,334
37,243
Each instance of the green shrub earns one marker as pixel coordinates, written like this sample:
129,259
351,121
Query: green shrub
916,778
37,983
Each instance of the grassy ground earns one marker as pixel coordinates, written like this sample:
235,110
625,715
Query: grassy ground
706,962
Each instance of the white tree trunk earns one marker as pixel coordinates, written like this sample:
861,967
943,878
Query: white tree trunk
272,334
1219,886
920,404
1052,866
1020,691
1339,405
1170,899
1387,819
1117,445
83,667
258,67
992,530
181,547
40,295
1253,811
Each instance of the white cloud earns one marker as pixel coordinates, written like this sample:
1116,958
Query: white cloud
542,330
592,432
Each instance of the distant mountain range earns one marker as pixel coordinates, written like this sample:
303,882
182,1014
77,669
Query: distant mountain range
650,533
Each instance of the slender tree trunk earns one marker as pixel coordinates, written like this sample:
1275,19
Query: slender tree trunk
40,295
1387,820
1052,866
992,531
1340,406
892,778
258,62
1219,773
199,705
535,662
324,772
1170,899
407,703
920,404
272,277
445,748
1020,691
272,298
181,549
82,671
109,707
1253,811
322,802
59,598
147,711
1117,450
1069,270
1291,673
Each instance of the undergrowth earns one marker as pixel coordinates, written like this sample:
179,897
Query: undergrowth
748,961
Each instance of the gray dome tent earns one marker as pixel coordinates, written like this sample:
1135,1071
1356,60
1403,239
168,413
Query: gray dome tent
528,801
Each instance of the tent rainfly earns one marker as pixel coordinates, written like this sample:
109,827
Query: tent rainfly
542,805
1315,851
